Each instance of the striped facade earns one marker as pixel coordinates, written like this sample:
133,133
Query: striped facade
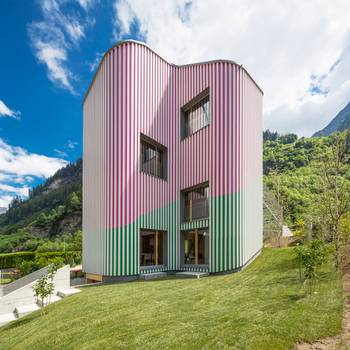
135,92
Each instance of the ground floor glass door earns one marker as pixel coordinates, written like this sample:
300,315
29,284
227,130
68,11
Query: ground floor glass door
195,247
151,247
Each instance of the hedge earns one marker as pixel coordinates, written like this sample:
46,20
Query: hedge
10,260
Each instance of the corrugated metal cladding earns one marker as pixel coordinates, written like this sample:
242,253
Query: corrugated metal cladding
136,92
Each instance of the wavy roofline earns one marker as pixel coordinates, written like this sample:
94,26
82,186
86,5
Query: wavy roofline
122,42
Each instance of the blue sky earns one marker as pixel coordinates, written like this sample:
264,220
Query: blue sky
43,114
49,50
50,116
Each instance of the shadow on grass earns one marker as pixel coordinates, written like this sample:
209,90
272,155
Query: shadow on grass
22,321
297,297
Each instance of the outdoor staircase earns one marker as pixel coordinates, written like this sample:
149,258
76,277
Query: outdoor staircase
24,310
6,318
51,300
67,292
153,276
191,274
21,311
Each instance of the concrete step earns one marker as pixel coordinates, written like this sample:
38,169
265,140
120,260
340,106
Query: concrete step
191,274
21,311
50,300
6,318
67,292
153,276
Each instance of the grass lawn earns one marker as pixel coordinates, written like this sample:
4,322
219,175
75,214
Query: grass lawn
262,307
5,280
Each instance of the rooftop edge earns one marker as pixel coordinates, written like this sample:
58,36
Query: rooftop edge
122,42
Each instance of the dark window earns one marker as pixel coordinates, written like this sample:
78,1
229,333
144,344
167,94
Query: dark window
196,114
153,158
194,247
196,205
152,243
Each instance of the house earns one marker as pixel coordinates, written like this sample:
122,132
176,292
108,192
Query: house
172,166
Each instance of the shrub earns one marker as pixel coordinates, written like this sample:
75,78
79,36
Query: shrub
310,257
27,267
43,260
15,259
44,286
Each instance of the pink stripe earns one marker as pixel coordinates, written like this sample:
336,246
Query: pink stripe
151,93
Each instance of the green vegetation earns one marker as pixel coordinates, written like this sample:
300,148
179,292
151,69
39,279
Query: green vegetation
44,286
262,307
29,261
5,280
310,258
55,191
294,171
46,220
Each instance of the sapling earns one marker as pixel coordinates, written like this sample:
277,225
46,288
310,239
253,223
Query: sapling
310,257
44,286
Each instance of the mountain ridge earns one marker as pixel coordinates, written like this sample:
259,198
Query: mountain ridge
44,200
340,122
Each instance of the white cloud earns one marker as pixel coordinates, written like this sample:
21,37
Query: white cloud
281,43
60,153
72,144
7,112
123,19
86,4
19,168
5,200
53,38
20,191
68,147
94,64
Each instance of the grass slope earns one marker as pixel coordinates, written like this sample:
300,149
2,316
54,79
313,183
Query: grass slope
263,307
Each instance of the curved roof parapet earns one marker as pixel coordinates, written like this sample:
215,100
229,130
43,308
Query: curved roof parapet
119,43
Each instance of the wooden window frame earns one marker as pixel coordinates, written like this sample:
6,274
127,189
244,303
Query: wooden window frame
184,193
161,149
185,109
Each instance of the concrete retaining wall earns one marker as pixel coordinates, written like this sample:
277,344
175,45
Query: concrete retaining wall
24,294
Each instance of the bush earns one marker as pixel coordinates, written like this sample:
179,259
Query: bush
44,260
27,267
15,259
310,257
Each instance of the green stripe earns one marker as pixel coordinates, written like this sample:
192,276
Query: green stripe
122,255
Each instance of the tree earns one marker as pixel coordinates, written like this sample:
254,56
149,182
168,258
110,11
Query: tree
300,228
44,286
333,203
288,138
270,135
74,202
310,257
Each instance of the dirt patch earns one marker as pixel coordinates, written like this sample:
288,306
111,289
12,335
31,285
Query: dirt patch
341,341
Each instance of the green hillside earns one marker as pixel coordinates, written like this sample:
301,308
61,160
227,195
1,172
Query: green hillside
294,172
263,307
52,210
340,122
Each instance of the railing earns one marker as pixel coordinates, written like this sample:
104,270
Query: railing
197,209
10,287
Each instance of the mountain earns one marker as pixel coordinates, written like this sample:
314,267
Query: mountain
294,173
51,209
340,122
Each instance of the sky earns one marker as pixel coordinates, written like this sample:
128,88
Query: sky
297,51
